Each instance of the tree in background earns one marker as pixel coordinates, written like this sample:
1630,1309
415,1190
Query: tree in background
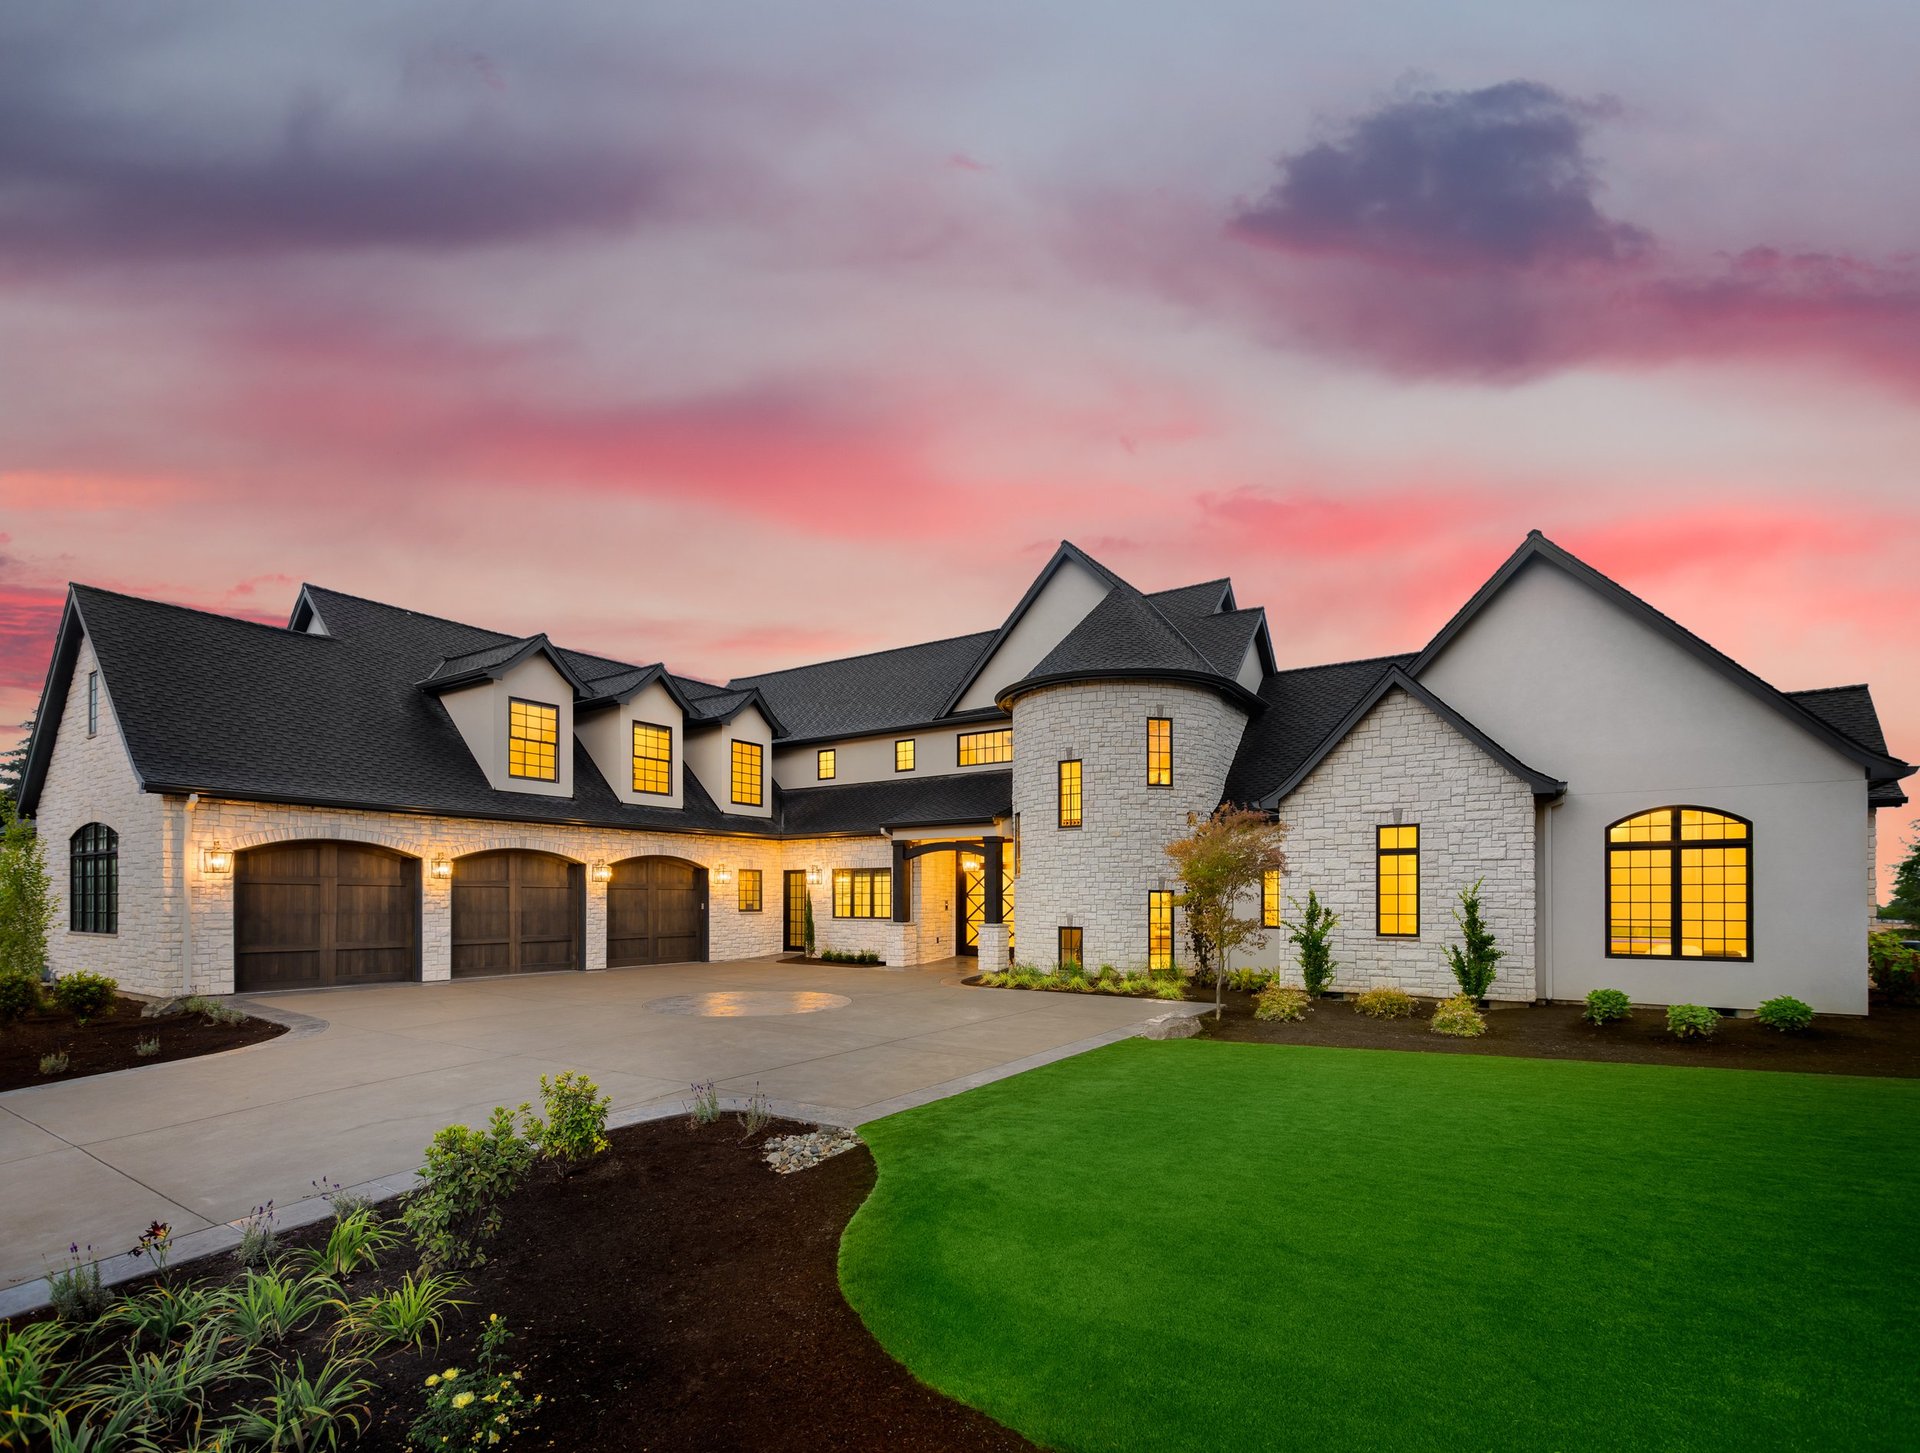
1906,887
13,763
1313,936
1222,861
1473,965
26,896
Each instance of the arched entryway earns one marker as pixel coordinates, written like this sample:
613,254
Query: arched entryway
314,914
656,912
516,912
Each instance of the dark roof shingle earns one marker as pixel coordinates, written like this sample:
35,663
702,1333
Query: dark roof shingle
1303,706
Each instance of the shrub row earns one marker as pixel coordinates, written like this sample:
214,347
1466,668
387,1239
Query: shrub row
1696,1021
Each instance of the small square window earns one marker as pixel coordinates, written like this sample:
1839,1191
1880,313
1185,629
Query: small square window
903,755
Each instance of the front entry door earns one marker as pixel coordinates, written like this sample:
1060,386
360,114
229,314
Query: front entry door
796,912
971,900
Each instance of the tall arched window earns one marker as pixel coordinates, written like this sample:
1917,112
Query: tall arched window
93,880
1678,885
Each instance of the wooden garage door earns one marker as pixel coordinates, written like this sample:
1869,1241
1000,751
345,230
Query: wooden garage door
656,912
312,914
515,913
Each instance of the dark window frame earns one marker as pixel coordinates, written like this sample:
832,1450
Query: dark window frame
1076,935
912,744
93,879
1270,905
93,703
759,799
1079,795
666,791
1153,905
826,764
746,876
552,706
1380,854
994,758
853,877
1152,722
1676,923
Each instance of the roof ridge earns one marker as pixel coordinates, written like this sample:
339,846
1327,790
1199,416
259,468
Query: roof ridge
198,610
856,656
1180,635
1822,690
425,615
1356,661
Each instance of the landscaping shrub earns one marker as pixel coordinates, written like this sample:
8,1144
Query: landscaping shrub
1251,981
20,995
267,1307
166,1390
1786,1014
355,1241
55,1063
1313,936
153,1318
757,1115
147,1048
1892,967
1473,964
466,1176
706,1104
212,1010
258,1233
1691,1021
1606,1005
1459,1018
576,1125
461,1408
33,1378
75,1289
302,1411
343,1201
27,904
409,1314
85,996
1385,1002
1282,1002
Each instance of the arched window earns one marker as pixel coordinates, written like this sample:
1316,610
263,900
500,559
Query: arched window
1678,885
93,881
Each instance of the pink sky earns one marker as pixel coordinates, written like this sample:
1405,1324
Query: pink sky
739,345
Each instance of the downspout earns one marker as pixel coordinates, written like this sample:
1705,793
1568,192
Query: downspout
186,902
1544,950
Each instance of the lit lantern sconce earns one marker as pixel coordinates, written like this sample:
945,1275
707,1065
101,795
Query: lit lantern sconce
441,868
601,873
815,875
722,873
216,861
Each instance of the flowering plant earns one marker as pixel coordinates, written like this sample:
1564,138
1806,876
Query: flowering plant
478,1409
155,1243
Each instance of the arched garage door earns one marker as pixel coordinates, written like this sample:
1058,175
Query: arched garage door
309,915
516,912
656,912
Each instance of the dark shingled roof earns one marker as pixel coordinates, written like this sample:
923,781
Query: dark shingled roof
858,806
1303,706
879,692
1124,632
1849,710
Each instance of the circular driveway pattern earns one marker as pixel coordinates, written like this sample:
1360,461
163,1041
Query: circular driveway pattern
748,1003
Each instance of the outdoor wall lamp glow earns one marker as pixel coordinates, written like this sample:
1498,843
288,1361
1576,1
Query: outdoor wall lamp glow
441,868
722,873
215,859
601,873
815,876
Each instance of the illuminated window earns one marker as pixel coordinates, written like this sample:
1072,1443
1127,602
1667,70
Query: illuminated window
826,764
1160,929
1270,899
1072,946
533,733
1679,865
863,893
93,881
93,702
1070,794
652,758
1159,751
1397,858
903,755
749,890
979,748
746,773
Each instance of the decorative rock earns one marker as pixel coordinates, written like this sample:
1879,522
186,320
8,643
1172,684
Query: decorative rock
163,1008
1171,1026
789,1153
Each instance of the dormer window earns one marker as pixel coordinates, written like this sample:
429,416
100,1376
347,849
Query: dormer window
533,736
652,758
747,762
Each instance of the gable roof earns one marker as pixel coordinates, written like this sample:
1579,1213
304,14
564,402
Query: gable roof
927,802
1395,678
1303,705
1850,709
1877,764
881,691
1067,551
490,663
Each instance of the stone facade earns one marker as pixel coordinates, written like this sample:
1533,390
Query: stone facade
1097,876
1403,764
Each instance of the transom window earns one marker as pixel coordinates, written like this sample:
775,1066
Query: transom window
863,893
1684,866
1397,860
1070,794
977,749
93,703
1160,929
1159,751
533,736
749,890
93,880
747,764
652,758
903,755
1270,898
826,764
1072,948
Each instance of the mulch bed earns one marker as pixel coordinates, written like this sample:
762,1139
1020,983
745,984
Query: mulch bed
1886,1043
107,1042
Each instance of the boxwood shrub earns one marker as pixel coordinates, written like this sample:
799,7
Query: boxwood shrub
1459,1018
1386,1002
1606,1005
1691,1021
1786,1014
85,996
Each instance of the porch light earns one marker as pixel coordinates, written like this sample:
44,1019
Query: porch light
815,875
722,873
601,873
441,868
216,860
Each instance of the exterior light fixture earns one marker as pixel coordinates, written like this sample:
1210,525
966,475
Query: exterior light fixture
815,876
216,860
441,868
601,873
722,873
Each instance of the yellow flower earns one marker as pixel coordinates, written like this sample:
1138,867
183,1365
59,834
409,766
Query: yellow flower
433,1379
451,1373
516,1377
493,1437
493,1316
462,1399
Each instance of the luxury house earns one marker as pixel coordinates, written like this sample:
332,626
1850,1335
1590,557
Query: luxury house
371,793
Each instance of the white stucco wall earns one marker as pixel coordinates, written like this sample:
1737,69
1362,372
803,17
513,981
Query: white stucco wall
1403,764
1575,686
710,755
1097,876
1062,604
870,758
482,714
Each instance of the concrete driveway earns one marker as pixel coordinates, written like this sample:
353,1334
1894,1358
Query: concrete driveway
358,1088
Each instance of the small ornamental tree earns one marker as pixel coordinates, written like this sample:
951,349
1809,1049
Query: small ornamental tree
1313,936
807,930
1473,964
13,763
1221,862
26,897
1905,906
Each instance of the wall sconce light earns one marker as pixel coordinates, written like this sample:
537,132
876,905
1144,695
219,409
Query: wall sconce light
722,873
815,876
441,868
601,873
216,860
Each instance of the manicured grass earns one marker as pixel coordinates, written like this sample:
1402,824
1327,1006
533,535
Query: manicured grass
1201,1245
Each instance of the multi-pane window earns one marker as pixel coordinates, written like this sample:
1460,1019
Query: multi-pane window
533,736
1070,794
1160,929
1397,860
1159,751
977,749
903,754
1270,898
93,880
826,764
93,702
863,893
652,758
1685,866
1072,946
747,762
749,890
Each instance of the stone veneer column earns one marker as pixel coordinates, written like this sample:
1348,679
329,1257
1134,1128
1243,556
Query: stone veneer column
993,947
436,925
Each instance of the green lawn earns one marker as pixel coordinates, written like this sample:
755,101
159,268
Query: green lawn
1198,1245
